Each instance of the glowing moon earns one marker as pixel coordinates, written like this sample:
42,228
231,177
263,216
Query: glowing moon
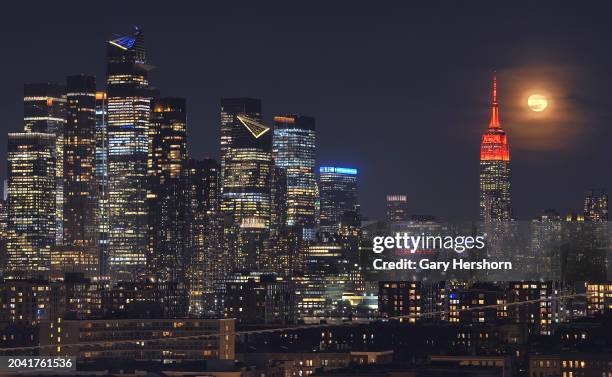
537,102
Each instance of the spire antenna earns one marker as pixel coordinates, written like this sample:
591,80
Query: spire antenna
494,123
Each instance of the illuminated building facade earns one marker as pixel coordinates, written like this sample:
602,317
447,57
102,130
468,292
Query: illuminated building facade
44,111
80,203
208,261
101,169
338,194
397,208
294,148
495,198
31,203
167,256
129,108
596,206
401,298
246,163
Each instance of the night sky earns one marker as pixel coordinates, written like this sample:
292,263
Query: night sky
399,91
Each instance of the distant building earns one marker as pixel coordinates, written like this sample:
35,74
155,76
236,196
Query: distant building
266,301
44,111
197,339
208,262
167,200
397,208
129,110
596,206
79,247
32,203
31,301
294,148
401,298
101,169
338,193
246,164
495,198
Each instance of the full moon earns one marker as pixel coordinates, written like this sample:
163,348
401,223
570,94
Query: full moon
537,102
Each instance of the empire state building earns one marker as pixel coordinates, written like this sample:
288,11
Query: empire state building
495,199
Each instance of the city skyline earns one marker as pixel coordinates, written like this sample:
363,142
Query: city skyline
323,190
441,189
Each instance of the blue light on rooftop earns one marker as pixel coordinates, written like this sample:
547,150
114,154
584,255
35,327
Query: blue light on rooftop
125,42
337,170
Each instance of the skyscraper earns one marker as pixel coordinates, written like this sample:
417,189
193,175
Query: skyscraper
397,208
129,108
44,110
80,204
208,261
79,249
246,161
495,198
294,148
167,256
31,203
101,169
338,193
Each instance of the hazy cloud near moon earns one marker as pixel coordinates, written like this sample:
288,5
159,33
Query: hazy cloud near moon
560,126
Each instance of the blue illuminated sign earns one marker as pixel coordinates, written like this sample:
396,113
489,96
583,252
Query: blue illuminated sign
332,169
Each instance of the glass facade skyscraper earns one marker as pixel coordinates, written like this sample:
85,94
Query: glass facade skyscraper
44,110
101,169
167,256
495,198
80,204
294,149
208,262
31,203
338,195
246,162
129,109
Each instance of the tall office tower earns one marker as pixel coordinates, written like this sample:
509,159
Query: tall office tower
285,242
31,203
278,200
101,169
294,148
246,161
208,261
495,199
3,234
44,110
129,109
397,208
80,203
338,194
596,206
167,256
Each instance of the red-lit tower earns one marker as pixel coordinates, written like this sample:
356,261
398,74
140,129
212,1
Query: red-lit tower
495,199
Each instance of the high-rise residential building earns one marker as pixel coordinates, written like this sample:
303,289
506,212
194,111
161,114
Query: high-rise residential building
101,169
208,261
167,255
338,195
246,162
397,208
596,206
44,110
80,203
129,110
495,198
294,148
31,203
